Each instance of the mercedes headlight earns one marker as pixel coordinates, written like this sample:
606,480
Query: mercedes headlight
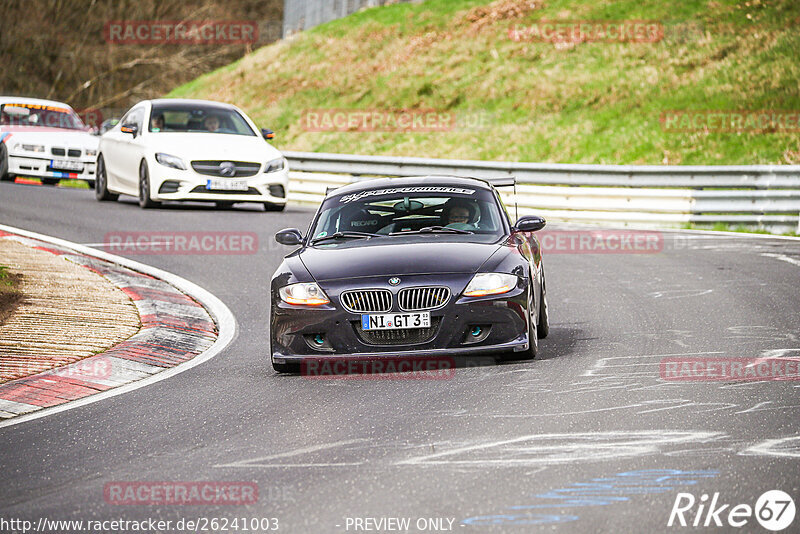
483,284
170,161
305,294
276,164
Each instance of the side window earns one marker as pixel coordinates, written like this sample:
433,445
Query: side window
134,118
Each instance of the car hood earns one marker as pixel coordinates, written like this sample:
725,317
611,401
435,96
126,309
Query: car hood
358,259
42,135
206,146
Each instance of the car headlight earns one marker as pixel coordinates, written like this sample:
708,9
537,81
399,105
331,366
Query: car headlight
170,161
483,284
29,148
275,165
306,294
90,152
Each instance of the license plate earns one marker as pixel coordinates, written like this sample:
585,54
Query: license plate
392,321
65,164
227,185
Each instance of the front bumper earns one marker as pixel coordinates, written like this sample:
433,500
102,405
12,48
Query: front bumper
501,319
175,184
41,167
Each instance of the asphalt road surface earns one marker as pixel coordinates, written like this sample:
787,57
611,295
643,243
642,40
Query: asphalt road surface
586,438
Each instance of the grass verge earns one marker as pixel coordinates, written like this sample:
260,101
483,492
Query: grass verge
10,294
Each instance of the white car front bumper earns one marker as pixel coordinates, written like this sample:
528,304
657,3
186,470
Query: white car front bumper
43,167
174,184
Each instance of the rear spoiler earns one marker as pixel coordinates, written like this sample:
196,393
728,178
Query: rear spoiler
503,181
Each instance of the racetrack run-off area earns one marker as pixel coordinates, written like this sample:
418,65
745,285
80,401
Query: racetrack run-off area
495,448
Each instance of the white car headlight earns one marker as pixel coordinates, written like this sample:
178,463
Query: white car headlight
275,165
91,152
168,160
483,284
306,294
29,148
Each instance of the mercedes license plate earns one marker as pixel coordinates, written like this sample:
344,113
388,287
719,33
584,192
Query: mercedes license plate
227,185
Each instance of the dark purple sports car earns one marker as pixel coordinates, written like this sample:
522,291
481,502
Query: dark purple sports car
409,267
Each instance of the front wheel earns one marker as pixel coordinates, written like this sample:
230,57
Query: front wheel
4,176
533,335
101,192
543,328
145,202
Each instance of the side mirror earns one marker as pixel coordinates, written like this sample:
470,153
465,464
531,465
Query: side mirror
289,236
133,130
268,134
529,223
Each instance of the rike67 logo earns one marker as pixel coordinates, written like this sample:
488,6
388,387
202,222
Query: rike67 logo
774,510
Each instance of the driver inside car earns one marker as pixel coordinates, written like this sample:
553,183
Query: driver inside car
460,215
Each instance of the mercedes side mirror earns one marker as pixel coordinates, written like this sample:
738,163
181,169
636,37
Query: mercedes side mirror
529,223
268,134
132,129
289,236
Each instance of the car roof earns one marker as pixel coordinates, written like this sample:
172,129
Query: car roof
163,101
410,181
34,101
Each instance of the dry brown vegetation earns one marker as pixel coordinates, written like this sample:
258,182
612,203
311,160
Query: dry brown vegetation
57,48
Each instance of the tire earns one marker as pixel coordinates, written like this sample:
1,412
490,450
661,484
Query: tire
286,367
533,336
101,184
4,176
50,181
269,206
543,328
145,202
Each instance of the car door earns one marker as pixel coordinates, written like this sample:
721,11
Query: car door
109,147
131,149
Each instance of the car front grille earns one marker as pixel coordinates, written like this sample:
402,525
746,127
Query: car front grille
61,151
401,336
213,168
423,298
367,300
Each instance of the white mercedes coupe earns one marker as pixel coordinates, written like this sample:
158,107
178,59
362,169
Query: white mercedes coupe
44,139
175,149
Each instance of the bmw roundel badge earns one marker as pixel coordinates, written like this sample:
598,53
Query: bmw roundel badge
394,280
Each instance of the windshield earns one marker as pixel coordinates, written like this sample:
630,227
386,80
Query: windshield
411,211
40,115
198,118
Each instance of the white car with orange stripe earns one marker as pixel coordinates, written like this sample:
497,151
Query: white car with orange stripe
45,139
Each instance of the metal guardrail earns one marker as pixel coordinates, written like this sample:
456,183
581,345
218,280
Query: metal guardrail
767,196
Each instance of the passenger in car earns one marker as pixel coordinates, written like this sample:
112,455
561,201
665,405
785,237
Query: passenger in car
211,123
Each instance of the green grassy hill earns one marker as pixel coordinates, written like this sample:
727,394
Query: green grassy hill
589,102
